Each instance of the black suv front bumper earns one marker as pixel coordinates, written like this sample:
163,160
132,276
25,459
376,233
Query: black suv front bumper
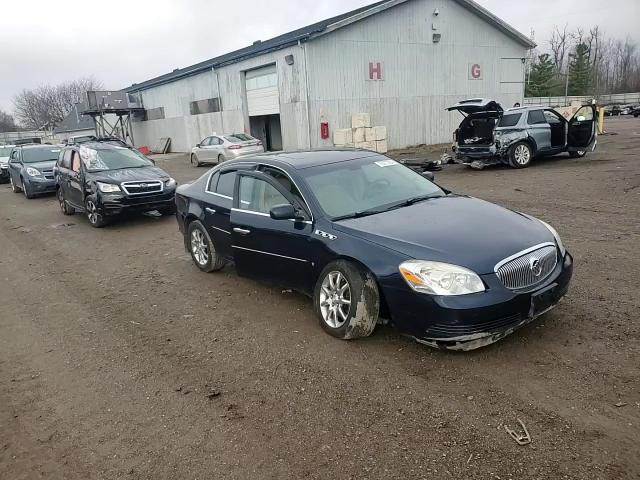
111,204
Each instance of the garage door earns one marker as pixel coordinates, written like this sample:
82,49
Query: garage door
262,91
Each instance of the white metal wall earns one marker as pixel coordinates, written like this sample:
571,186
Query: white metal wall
186,130
420,78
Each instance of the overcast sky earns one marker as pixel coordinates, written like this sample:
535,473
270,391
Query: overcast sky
125,41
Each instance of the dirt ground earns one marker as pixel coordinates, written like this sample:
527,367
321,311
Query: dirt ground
119,359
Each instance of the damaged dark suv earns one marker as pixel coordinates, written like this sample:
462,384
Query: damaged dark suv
490,135
106,179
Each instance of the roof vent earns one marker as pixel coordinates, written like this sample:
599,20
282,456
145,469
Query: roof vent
257,42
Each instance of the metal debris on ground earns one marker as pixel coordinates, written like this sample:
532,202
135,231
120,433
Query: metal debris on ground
621,404
520,438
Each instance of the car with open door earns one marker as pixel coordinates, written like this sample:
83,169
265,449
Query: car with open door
347,227
227,146
31,169
490,135
106,179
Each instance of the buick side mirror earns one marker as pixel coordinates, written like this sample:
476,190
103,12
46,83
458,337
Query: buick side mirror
428,175
283,212
197,145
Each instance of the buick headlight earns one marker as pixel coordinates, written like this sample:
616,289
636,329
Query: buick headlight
108,187
556,236
438,278
170,183
33,172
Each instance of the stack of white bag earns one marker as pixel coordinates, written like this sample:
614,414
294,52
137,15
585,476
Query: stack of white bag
362,134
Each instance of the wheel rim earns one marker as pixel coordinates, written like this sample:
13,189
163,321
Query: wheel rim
92,212
335,299
199,247
522,154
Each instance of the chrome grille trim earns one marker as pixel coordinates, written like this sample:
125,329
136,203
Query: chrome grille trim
136,188
516,272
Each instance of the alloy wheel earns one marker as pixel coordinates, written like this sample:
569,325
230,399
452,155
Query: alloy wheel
92,212
199,247
522,154
335,299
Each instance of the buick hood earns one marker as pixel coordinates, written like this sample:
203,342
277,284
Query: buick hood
453,229
131,175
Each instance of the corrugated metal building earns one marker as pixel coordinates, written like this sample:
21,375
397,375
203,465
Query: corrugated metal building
402,61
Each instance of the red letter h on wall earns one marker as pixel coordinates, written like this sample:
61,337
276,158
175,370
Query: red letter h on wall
375,71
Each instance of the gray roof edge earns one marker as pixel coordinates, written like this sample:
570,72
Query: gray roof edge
497,22
358,14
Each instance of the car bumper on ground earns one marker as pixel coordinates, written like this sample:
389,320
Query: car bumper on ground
111,204
40,184
467,322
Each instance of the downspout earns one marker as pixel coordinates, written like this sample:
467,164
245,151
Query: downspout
306,85
219,98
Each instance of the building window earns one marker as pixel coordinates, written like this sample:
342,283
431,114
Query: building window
209,105
154,114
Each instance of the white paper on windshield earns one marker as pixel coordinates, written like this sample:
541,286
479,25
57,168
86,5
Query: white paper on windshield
386,163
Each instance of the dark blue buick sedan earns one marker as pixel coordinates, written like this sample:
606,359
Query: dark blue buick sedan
370,239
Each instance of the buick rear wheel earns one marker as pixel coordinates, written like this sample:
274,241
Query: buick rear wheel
347,301
202,249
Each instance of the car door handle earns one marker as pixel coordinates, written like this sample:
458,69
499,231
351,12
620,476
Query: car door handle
241,231
210,210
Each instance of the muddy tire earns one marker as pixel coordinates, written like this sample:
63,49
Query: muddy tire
194,160
346,300
65,208
520,155
578,154
202,249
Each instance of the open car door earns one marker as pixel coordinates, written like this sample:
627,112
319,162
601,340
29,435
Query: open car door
581,134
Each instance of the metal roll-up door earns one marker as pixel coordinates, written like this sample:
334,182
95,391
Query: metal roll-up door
262,91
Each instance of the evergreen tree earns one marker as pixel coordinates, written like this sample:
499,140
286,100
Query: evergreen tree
541,77
580,71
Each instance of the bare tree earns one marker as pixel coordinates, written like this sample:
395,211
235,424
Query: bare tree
47,106
559,45
6,122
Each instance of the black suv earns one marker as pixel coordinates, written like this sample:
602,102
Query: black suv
106,179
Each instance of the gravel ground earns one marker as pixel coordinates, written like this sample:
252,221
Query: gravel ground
118,359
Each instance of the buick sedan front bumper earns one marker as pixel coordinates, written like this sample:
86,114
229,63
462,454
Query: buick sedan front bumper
467,322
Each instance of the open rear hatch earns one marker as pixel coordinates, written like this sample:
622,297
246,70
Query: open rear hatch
481,116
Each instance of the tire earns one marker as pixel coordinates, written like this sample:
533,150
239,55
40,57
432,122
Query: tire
201,248
96,219
520,155
14,187
65,208
26,191
194,160
577,154
358,317
221,158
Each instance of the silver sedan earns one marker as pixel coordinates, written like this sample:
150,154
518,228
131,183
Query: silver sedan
218,148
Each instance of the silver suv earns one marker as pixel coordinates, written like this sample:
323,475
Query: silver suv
490,135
